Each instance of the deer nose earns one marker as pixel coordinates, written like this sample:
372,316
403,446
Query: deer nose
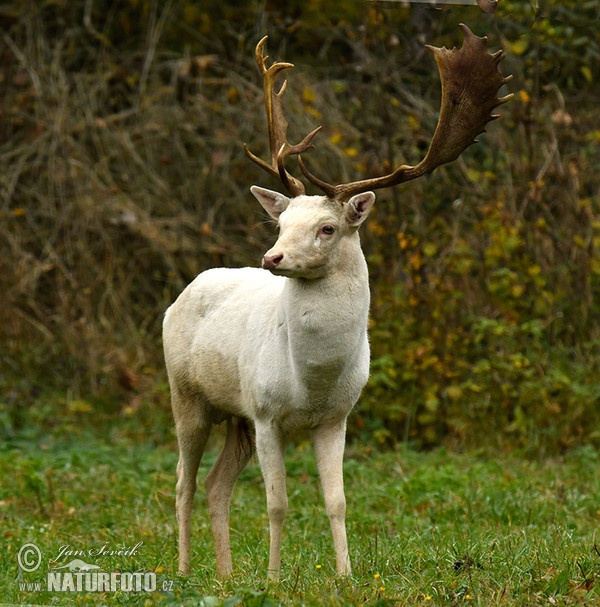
272,261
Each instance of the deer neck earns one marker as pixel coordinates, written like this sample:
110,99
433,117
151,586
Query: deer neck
326,319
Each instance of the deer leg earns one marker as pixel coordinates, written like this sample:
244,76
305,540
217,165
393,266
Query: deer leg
233,458
329,444
270,451
192,434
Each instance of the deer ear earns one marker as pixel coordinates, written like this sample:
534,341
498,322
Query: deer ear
272,202
358,207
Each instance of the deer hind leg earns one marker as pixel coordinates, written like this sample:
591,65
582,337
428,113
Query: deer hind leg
329,444
233,458
271,455
192,430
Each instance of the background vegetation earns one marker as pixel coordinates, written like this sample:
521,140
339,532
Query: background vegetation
123,176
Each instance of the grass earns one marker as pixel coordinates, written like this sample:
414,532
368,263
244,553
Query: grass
436,528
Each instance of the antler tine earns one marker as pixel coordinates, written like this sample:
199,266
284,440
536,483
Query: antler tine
470,82
277,124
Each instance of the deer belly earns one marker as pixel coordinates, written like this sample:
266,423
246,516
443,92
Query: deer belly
217,377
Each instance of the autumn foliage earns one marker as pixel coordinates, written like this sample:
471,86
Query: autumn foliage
123,176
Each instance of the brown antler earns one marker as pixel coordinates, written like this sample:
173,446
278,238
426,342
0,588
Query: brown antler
470,82
279,146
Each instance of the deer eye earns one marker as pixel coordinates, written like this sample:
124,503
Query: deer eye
328,229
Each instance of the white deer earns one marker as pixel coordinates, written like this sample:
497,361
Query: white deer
283,349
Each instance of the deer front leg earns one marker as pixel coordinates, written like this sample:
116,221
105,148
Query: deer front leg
329,442
270,451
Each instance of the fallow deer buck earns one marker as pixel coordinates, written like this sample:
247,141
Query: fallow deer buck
282,349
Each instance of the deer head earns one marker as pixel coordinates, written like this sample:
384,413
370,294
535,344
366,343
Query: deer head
470,81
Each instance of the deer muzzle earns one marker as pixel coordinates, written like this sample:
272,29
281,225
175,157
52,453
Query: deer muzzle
272,260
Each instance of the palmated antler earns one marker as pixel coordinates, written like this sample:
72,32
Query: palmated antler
470,82
277,124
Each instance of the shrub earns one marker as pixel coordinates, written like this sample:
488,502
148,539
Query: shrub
124,176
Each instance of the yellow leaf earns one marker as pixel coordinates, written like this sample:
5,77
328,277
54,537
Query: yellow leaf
432,403
311,111
308,95
430,249
587,73
376,228
415,261
517,290
454,392
233,95
413,123
518,47
79,406
425,419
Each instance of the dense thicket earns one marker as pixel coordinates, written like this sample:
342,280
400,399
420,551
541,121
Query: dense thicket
123,176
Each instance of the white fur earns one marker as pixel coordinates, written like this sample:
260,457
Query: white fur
286,352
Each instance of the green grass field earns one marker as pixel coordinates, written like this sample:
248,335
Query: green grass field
434,528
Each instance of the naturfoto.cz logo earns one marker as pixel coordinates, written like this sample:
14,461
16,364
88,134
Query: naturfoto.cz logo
79,575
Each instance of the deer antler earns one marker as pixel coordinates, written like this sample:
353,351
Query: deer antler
278,144
470,82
